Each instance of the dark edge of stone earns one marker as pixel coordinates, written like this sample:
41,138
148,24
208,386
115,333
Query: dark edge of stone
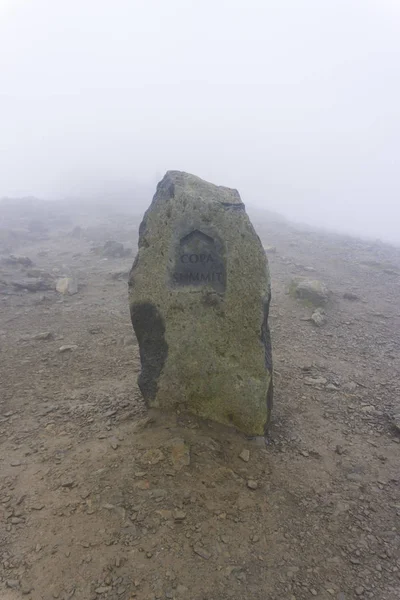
266,341
149,328
166,189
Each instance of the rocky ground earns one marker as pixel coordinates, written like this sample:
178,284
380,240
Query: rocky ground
99,499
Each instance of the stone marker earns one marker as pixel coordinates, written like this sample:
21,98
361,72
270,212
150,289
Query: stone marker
199,293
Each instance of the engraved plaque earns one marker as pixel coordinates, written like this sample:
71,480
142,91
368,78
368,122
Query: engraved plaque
199,262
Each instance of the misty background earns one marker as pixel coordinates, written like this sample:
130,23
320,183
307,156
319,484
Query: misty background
296,103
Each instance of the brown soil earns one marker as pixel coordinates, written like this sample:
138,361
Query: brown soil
99,499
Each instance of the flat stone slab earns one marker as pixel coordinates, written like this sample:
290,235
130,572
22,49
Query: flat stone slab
199,293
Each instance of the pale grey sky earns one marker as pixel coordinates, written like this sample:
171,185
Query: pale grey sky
294,102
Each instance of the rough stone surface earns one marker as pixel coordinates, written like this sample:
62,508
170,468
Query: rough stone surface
199,293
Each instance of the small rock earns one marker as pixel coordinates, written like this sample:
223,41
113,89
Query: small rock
339,450
350,386
252,484
143,484
102,589
16,520
69,483
68,348
201,552
12,584
44,335
67,285
350,296
110,413
152,456
359,590
26,588
112,249
356,477
245,455
318,317
304,453
311,290
15,463
13,260
179,515
180,454
32,285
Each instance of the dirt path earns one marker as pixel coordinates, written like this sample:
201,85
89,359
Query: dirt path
99,499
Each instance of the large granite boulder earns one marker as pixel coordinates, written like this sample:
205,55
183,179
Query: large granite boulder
199,293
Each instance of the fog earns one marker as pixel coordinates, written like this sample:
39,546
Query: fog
296,103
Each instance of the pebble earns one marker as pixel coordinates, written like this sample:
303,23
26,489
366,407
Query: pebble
67,348
339,450
359,590
245,455
179,515
152,456
201,552
180,454
318,318
12,583
16,520
26,589
252,485
43,335
15,463
354,477
110,413
68,484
